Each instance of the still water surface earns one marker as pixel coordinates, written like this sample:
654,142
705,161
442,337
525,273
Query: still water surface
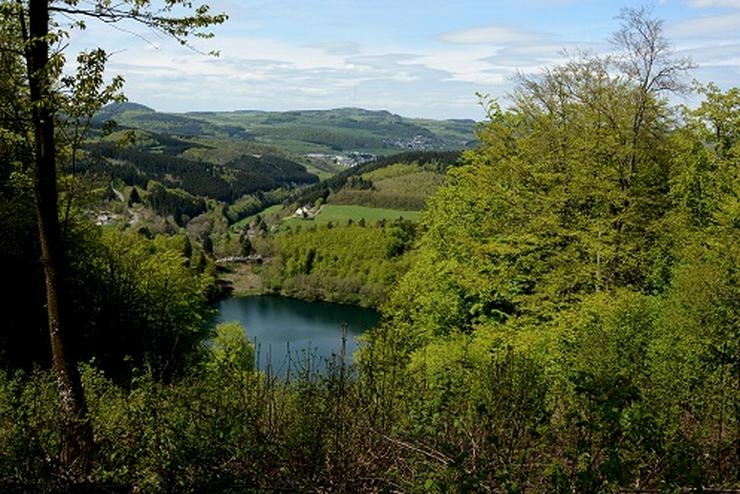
275,322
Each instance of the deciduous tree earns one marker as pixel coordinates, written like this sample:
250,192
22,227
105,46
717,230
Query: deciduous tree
36,24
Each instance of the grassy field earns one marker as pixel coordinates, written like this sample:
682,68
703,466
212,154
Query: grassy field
401,186
340,214
322,174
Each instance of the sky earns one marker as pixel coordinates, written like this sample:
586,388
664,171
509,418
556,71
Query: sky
417,58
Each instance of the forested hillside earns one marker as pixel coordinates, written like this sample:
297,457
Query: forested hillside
346,129
136,116
204,159
226,182
301,132
415,176
355,263
343,239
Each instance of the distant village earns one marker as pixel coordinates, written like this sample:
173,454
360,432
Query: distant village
416,143
348,160
355,158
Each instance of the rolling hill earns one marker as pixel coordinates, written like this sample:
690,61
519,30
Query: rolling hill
387,188
250,160
401,181
309,132
346,130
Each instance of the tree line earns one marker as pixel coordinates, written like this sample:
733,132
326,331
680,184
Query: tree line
228,182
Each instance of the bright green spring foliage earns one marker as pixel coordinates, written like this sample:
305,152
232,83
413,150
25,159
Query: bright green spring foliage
494,372
575,291
551,209
230,349
569,322
137,303
403,186
345,263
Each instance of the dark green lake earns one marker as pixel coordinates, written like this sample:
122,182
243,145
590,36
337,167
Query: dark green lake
277,323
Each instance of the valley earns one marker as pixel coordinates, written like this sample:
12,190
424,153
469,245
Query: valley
234,188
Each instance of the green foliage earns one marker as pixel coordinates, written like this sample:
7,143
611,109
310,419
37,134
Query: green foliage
219,428
399,186
591,240
347,264
246,174
137,304
247,206
230,350
549,210
246,245
427,160
564,320
271,213
142,117
174,202
344,129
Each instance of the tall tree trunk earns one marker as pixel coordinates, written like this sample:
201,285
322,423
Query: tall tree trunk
77,433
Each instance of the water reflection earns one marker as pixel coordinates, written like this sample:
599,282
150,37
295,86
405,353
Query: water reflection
278,323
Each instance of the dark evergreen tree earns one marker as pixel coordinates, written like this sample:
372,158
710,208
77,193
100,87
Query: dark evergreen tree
187,250
208,245
202,263
134,197
246,245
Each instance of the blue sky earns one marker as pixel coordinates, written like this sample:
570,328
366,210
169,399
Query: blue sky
416,58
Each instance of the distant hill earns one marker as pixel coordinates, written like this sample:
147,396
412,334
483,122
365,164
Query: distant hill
115,109
230,155
306,132
347,130
136,116
220,170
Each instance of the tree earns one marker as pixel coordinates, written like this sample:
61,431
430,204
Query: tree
647,61
187,250
565,197
200,268
208,245
19,238
721,111
246,245
134,197
39,32
261,225
231,352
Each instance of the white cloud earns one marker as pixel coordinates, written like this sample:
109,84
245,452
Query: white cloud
714,56
708,26
735,4
434,76
494,34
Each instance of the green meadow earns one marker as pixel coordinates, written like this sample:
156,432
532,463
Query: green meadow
340,214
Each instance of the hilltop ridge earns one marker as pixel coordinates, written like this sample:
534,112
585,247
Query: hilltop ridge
340,130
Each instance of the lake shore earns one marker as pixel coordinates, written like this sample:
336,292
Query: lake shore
243,279
286,331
